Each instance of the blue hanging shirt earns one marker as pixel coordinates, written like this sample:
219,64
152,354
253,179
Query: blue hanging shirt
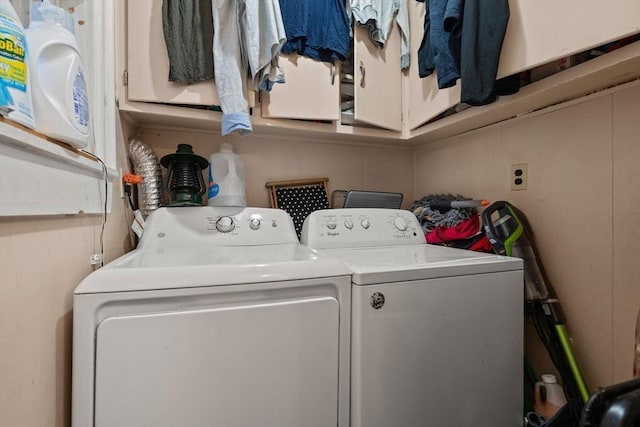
318,29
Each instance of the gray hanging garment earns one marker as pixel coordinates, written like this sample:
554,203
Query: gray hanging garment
188,34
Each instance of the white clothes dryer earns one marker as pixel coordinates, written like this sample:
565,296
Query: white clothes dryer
219,318
437,332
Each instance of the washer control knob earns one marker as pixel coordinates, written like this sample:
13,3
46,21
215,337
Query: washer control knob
400,223
254,223
225,224
365,223
331,225
348,224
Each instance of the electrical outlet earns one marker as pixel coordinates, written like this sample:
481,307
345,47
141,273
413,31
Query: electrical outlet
519,177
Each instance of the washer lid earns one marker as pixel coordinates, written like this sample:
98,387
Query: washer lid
167,268
373,265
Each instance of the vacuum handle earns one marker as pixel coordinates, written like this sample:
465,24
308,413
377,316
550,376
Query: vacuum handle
456,204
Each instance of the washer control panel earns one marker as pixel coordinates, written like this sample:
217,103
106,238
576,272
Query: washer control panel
358,227
209,226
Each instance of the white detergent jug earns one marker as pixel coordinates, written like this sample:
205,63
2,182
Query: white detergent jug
226,179
15,92
59,88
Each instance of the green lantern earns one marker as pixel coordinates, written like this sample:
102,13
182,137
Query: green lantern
183,179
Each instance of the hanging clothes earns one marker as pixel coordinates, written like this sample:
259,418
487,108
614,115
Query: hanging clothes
378,16
445,33
248,36
188,23
318,29
263,38
483,29
426,63
463,40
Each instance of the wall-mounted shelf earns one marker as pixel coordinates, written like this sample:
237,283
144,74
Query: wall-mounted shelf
40,177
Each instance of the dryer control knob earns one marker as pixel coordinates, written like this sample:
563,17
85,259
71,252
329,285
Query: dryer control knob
254,224
331,225
400,223
225,224
348,224
365,223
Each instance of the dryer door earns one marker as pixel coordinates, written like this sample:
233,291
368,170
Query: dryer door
438,352
267,363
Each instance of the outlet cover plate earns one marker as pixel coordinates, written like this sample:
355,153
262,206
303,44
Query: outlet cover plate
519,176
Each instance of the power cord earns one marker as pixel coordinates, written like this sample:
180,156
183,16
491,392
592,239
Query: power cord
100,261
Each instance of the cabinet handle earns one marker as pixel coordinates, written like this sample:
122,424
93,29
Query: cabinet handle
362,74
333,73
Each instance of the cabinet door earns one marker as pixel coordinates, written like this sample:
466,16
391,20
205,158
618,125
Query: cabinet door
148,63
311,91
378,80
425,101
544,30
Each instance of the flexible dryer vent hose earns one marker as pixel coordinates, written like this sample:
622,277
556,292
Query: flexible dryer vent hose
145,163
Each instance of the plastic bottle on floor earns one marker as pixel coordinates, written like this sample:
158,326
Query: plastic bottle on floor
549,396
226,179
15,88
59,87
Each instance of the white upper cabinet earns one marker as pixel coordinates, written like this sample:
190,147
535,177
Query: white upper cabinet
376,99
311,91
148,62
538,32
543,30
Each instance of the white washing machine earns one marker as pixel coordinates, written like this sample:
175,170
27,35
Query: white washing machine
436,332
219,318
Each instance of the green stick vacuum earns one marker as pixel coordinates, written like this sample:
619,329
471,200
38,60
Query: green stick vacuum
509,234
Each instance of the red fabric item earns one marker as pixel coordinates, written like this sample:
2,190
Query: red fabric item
464,230
482,245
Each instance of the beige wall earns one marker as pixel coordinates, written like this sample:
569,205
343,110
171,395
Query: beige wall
268,158
583,203
42,259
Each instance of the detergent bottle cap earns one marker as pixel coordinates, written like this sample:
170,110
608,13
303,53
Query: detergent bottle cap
51,14
549,379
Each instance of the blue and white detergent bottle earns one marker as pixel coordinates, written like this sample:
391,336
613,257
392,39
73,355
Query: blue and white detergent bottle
59,86
226,179
15,92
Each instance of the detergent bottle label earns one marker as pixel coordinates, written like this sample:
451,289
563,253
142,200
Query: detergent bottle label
214,188
15,94
80,102
13,54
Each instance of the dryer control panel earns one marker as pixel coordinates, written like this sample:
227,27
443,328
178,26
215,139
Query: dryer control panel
361,227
